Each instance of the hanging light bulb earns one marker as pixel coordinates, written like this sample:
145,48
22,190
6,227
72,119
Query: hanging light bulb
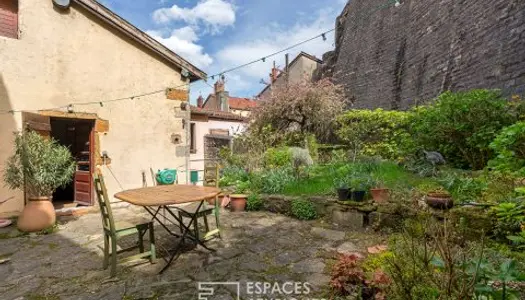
212,77
101,105
324,36
70,108
263,59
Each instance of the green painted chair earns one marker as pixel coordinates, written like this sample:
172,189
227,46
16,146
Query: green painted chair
113,231
210,178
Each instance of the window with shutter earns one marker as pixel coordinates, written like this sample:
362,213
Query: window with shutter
9,18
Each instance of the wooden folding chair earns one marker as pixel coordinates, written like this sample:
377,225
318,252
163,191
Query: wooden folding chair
211,178
113,231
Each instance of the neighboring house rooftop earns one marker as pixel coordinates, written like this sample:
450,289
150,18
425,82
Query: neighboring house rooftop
276,74
236,102
216,114
128,29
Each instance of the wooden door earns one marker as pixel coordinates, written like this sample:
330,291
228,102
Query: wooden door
83,182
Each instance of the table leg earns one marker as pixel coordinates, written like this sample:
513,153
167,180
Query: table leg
186,231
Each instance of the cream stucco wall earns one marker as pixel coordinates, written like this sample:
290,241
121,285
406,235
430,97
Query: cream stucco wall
302,69
202,128
241,112
70,57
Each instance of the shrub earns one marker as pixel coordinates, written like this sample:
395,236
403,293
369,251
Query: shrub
462,125
277,157
376,132
303,209
509,146
40,165
509,219
232,175
254,203
272,181
350,279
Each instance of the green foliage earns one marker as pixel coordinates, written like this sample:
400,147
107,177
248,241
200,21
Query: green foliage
486,274
518,240
462,125
254,202
39,164
277,157
303,209
428,262
272,181
509,219
509,146
462,187
376,132
232,175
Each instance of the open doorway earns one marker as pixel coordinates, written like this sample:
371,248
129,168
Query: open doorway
78,136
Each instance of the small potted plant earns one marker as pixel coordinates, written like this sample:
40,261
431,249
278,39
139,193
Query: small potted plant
38,167
341,186
359,185
437,197
238,202
379,192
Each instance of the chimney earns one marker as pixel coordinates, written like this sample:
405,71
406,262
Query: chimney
274,74
221,96
219,86
200,101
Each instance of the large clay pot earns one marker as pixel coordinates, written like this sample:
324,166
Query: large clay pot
238,202
380,195
38,214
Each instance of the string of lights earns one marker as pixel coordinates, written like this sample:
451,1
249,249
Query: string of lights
322,35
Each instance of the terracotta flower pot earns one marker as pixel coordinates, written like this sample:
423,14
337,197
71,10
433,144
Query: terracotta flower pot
380,195
238,202
439,200
38,214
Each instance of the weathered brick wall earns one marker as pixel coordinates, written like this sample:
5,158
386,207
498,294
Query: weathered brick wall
401,56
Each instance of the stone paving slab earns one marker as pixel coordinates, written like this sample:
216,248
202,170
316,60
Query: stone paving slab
256,247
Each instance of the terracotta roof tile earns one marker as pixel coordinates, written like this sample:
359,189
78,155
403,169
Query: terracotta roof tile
241,103
223,115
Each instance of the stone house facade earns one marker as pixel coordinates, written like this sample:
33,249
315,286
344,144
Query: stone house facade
59,66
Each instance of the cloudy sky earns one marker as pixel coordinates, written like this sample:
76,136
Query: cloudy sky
216,35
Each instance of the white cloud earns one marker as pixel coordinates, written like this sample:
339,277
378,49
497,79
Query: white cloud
271,41
183,42
213,14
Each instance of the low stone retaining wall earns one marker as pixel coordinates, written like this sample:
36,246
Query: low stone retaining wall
359,215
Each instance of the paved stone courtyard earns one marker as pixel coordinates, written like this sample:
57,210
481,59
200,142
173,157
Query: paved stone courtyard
255,247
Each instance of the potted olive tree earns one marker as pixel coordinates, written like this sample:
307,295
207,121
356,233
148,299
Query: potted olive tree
38,166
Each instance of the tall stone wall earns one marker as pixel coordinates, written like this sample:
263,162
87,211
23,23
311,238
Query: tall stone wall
397,57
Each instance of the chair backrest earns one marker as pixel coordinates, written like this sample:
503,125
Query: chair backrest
103,202
211,174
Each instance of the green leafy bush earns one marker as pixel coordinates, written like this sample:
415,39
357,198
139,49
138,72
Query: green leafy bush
509,219
462,187
254,202
376,132
272,181
462,125
509,147
277,157
233,175
39,165
303,209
